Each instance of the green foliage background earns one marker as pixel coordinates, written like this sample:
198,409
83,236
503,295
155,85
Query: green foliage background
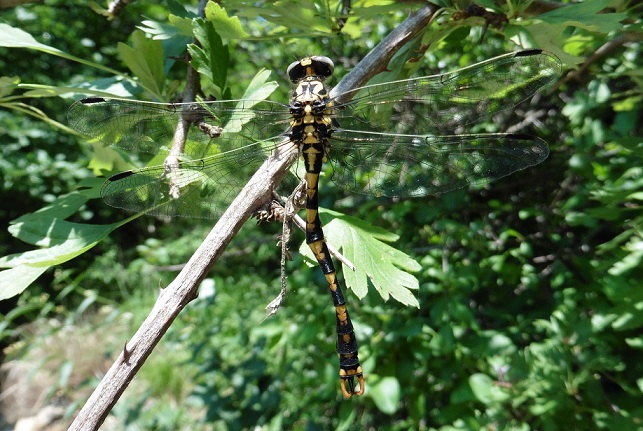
531,307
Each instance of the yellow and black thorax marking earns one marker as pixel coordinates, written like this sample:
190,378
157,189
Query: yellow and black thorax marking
310,105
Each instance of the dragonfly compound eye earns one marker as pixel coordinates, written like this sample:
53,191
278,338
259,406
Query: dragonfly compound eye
319,66
294,71
323,66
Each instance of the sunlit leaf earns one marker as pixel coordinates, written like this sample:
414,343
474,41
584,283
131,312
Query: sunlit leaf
388,269
14,281
145,60
227,27
176,26
486,391
212,57
386,394
60,239
586,15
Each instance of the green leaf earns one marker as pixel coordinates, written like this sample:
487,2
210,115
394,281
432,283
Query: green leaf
257,91
145,60
178,26
630,317
211,59
546,34
462,394
485,390
636,343
69,239
61,240
159,30
115,86
543,406
631,261
585,15
106,159
15,38
66,240
304,16
8,84
61,208
388,269
14,281
227,27
386,394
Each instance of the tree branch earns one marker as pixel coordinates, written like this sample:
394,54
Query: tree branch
377,60
603,51
185,287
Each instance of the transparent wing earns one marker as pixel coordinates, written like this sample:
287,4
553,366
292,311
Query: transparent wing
442,104
226,144
418,141
148,127
201,188
399,165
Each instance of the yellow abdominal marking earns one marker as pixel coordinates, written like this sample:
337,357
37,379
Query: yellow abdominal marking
311,215
316,247
341,313
330,278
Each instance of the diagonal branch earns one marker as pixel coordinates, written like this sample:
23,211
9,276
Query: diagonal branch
599,54
377,60
184,288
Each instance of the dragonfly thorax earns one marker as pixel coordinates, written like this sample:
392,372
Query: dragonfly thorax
310,108
310,103
310,91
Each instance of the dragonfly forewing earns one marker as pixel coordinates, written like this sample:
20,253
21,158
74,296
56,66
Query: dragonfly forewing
443,103
147,127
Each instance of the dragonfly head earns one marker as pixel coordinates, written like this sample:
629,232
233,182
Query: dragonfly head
318,66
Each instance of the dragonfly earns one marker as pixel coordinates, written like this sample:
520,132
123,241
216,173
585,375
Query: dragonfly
406,138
